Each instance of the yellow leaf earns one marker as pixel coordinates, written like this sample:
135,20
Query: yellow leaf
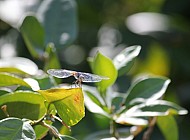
52,95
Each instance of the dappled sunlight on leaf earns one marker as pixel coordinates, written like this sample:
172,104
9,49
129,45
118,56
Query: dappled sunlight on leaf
69,103
23,104
71,109
124,60
55,94
103,66
8,79
33,83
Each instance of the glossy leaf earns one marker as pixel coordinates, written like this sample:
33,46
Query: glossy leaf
71,109
167,124
18,65
33,83
16,129
122,119
155,108
33,35
23,104
125,59
93,101
103,66
146,89
59,20
10,79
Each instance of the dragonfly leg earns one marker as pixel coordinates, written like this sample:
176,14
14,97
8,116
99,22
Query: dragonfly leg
78,83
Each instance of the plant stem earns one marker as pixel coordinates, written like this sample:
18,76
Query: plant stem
113,130
149,131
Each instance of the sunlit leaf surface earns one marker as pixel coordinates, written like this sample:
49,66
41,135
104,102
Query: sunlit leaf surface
71,109
19,65
93,101
56,94
124,60
10,79
103,66
69,103
122,119
23,104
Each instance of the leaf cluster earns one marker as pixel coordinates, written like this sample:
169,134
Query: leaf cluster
143,100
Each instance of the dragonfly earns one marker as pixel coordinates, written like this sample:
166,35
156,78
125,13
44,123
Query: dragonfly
79,76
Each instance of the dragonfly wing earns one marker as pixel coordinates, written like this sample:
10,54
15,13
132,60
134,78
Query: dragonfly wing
88,77
60,73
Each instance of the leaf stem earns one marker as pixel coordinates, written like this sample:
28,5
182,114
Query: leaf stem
113,130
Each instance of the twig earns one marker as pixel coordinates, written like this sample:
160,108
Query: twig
149,131
54,132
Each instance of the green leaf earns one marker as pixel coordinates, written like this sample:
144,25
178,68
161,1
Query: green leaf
103,66
125,59
16,129
45,82
23,104
10,79
146,89
18,65
60,21
71,109
40,130
12,70
93,101
167,124
33,35
4,90
52,61
155,108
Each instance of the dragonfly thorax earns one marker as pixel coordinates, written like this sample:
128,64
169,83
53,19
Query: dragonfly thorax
79,76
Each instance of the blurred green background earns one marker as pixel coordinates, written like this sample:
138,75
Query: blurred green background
161,27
